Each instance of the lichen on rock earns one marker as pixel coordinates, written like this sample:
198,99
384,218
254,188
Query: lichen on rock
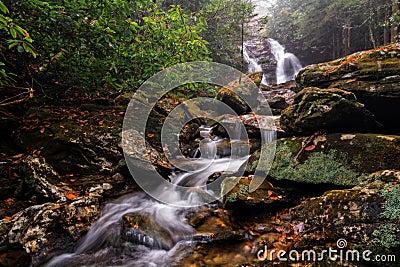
333,110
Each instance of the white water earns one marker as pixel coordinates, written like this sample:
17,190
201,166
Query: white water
288,65
103,245
253,66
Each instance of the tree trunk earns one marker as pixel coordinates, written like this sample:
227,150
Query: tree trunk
371,36
386,29
394,31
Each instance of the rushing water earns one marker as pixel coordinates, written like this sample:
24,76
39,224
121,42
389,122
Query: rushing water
253,66
164,235
288,65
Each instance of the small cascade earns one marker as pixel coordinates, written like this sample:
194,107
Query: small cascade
268,135
137,230
253,66
288,65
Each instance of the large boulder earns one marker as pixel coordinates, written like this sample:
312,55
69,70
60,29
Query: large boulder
373,76
333,110
244,86
335,159
45,228
363,217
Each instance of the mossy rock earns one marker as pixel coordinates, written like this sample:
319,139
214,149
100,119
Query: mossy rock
240,197
337,159
373,76
356,215
248,94
368,71
332,109
256,77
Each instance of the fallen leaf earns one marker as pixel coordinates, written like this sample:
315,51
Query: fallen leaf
351,81
310,148
7,218
70,196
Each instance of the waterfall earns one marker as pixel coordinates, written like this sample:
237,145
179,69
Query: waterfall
288,65
253,66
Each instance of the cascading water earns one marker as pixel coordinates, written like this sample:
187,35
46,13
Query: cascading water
288,65
158,233
253,66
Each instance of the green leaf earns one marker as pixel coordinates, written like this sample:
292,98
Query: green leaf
13,32
3,8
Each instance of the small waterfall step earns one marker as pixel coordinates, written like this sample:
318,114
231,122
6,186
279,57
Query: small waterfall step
287,64
251,60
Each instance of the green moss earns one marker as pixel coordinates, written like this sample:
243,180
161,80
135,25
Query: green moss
232,197
387,236
294,146
391,208
239,192
316,169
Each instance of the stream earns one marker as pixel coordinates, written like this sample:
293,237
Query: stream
136,230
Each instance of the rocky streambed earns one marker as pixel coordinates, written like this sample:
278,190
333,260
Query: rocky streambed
335,175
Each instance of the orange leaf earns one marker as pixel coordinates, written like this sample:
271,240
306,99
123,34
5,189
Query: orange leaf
351,81
70,196
310,148
7,218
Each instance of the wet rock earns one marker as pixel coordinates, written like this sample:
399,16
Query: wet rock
141,229
357,215
143,156
256,77
336,159
332,109
373,76
48,227
236,195
278,99
277,104
41,177
244,86
233,100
